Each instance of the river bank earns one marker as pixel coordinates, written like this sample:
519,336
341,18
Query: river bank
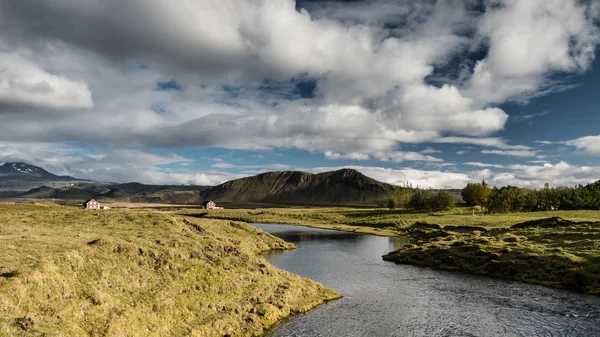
553,252
67,271
537,247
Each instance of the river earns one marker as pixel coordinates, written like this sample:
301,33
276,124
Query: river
385,299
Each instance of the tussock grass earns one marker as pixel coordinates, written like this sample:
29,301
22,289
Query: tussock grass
71,272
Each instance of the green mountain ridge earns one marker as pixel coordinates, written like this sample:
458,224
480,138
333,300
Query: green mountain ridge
342,187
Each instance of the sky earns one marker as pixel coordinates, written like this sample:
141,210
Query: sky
435,93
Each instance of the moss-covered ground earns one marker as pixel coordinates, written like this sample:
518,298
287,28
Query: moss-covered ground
70,272
553,252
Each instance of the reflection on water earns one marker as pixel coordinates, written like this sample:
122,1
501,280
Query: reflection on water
385,299
398,243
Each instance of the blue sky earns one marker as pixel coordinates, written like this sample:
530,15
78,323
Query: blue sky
201,92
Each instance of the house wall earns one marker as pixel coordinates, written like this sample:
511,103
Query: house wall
92,205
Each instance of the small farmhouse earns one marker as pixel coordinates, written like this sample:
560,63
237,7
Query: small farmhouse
91,204
209,204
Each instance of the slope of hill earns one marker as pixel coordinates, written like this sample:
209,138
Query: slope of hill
343,187
68,193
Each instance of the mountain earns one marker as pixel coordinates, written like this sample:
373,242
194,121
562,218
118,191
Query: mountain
22,177
14,171
343,187
67,193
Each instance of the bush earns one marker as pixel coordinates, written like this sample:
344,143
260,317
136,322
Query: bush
392,204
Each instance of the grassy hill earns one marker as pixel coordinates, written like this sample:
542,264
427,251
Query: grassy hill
343,187
70,272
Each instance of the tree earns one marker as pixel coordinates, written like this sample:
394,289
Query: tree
476,194
441,201
402,196
419,200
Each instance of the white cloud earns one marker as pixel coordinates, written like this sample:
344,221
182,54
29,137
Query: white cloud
514,153
348,156
429,150
222,165
487,141
528,39
529,116
588,145
372,88
384,156
478,164
560,174
25,83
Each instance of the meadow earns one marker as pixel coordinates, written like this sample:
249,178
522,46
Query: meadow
66,271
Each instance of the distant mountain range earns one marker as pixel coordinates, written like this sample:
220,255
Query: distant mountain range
343,187
22,177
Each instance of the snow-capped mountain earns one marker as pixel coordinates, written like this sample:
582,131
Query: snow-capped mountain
23,170
22,176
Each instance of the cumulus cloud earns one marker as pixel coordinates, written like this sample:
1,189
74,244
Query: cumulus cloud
87,72
527,41
560,174
588,145
25,83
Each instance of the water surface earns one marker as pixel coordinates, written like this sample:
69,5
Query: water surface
385,299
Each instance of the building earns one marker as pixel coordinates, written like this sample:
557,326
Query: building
209,204
91,204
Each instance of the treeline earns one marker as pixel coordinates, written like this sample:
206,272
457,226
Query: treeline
501,200
516,199
420,199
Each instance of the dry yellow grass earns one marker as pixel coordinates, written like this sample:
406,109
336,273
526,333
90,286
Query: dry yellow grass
70,272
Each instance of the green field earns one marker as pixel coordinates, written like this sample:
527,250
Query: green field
70,272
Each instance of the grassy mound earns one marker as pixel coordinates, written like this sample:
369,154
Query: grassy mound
552,252
71,272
